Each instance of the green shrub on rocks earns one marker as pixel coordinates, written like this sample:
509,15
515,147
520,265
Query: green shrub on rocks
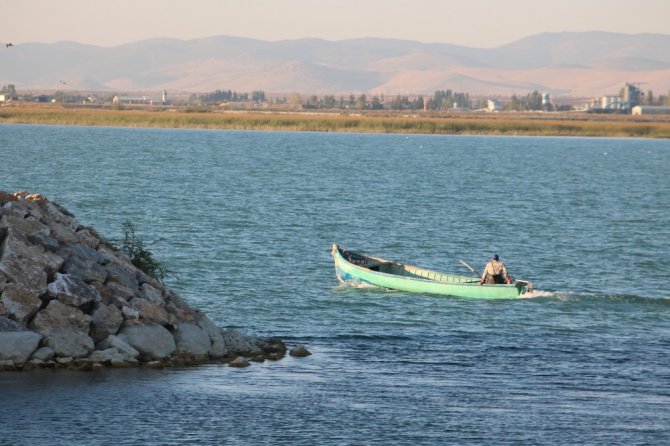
139,255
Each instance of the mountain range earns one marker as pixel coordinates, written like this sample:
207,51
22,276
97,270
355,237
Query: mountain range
563,64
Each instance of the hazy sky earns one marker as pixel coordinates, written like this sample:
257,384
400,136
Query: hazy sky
475,23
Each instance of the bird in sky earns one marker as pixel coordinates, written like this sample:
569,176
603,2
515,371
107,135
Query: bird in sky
63,82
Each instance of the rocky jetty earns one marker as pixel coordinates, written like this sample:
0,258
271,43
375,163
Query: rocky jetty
70,299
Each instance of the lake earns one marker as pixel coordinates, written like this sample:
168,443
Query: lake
246,221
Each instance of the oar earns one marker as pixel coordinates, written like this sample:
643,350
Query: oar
470,268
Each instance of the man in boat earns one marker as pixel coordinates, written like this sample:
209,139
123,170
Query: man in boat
495,272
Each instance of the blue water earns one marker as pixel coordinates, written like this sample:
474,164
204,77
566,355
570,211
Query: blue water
246,220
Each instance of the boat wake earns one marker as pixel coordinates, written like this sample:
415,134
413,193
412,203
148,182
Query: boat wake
537,293
592,297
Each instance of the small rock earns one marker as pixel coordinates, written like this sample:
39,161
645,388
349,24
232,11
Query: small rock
299,351
118,363
80,364
44,354
6,363
154,364
130,313
33,364
119,344
65,360
7,324
240,362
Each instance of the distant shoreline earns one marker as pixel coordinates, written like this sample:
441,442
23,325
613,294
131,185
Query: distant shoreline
516,124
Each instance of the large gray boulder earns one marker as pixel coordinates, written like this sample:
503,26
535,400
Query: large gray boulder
217,346
28,225
18,345
72,290
119,292
65,329
105,320
151,340
44,354
152,294
110,356
85,269
22,263
238,344
62,224
119,344
19,303
192,340
16,342
70,343
123,274
83,251
7,324
150,311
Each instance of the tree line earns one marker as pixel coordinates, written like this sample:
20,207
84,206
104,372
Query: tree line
220,96
441,100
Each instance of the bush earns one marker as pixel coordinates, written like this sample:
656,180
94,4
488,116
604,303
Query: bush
141,257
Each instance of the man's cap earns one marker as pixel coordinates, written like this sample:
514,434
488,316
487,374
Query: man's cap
495,256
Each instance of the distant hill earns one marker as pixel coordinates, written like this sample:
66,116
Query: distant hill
575,64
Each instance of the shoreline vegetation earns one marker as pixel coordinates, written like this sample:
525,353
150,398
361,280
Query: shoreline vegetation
473,123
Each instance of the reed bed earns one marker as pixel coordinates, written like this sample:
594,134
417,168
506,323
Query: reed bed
457,125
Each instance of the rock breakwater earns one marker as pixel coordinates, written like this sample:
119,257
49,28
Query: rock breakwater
70,299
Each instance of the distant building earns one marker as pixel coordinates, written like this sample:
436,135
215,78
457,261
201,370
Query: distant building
6,97
546,99
632,96
492,105
610,102
130,100
650,110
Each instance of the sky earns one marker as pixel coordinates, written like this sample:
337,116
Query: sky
473,23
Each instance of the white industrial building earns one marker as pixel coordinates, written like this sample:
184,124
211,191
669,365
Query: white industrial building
650,110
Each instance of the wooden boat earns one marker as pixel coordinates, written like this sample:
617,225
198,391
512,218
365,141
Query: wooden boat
355,268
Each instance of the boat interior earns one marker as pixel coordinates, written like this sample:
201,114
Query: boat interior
398,269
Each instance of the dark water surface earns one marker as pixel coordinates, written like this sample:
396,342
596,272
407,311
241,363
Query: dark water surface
246,219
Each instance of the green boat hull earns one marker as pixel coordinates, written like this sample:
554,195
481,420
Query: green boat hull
354,268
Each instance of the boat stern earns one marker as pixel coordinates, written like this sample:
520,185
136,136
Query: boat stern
523,286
